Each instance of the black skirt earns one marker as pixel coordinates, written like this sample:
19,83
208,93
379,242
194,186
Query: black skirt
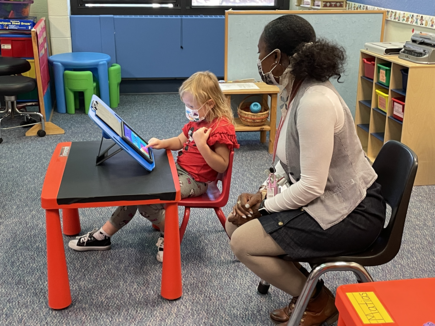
301,237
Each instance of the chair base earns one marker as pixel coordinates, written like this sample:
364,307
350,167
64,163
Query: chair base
12,109
360,272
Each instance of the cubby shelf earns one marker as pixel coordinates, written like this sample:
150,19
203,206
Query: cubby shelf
375,127
394,119
367,103
380,111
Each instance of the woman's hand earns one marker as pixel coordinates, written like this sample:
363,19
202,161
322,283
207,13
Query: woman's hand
246,208
201,135
156,143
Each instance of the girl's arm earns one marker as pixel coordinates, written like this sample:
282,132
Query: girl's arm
174,143
218,159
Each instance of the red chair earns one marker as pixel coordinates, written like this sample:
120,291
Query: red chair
213,198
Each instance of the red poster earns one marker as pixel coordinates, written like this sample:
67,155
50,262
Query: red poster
41,35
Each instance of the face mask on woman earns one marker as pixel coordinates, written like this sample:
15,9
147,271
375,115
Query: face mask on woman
193,115
267,77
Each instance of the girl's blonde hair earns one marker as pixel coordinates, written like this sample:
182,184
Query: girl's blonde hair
203,86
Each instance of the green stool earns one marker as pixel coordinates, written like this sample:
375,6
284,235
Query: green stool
114,81
78,81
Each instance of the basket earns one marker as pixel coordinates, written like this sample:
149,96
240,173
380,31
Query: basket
251,119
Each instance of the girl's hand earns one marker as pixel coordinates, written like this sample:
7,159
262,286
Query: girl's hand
201,135
156,143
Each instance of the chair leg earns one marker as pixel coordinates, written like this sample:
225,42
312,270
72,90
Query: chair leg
263,287
184,223
70,103
221,216
314,277
76,100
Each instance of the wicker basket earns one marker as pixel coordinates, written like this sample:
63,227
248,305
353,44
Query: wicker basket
251,119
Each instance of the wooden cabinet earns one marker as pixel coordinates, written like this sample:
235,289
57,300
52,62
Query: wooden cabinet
375,126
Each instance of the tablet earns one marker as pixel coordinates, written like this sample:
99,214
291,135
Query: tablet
136,142
115,128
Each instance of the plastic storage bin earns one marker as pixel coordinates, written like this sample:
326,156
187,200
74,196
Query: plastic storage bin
382,100
369,67
17,47
15,8
404,78
32,72
384,71
398,107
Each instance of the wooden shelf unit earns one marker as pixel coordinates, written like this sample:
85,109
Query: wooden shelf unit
417,130
265,91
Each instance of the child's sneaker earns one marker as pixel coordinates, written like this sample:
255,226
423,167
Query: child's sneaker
88,242
160,245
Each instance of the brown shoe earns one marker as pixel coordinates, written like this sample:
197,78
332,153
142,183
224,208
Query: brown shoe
283,315
320,309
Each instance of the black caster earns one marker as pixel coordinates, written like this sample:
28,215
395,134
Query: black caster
41,133
1,140
263,288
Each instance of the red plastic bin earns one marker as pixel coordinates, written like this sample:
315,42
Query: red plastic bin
17,47
398,108
369,67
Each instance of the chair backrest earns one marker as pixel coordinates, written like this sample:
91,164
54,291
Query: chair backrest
214,197
396,166
225,179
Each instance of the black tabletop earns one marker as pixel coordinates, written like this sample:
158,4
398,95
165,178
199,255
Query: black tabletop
117,179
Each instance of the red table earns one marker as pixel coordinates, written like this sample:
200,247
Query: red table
74,181
401,303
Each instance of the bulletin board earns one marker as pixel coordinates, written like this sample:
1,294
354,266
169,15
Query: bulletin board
350,29
40,55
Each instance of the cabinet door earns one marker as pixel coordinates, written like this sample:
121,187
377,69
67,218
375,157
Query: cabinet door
148,46
203,42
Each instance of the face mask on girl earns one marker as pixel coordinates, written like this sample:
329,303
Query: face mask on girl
267,77
193,115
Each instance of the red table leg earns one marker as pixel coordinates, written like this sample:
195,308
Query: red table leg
71,221
59,295
171,273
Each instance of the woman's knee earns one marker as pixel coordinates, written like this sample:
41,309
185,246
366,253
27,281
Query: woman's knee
238,243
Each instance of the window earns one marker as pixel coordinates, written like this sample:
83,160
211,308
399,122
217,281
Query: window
171,7
233,3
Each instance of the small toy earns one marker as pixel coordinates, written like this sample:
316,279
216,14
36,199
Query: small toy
255,107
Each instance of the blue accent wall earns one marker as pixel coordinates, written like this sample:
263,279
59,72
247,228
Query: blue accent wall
154,46
425,7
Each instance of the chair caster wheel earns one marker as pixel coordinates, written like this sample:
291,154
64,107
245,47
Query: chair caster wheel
1,140
41,133
263,288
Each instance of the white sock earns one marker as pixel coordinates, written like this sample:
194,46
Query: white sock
100,234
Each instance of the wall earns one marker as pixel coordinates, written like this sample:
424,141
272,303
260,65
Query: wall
399,32
59,21
425,7
39,9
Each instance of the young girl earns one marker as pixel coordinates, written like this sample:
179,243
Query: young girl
204,147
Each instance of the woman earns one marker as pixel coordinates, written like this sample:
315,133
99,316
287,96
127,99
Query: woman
332,205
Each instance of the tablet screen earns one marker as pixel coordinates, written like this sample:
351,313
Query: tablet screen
135,140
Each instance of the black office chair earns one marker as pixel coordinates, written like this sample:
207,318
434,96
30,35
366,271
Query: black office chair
11,86
396,166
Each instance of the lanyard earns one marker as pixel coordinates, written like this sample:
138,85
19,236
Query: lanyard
295,88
